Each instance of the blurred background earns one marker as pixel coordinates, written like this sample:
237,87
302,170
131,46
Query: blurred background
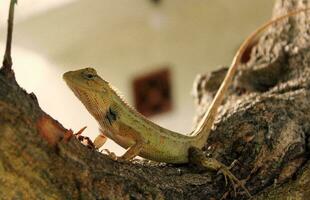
151,50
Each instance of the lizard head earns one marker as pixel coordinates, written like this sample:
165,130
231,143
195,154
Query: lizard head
94,92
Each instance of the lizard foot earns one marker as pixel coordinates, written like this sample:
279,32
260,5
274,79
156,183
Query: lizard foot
234,180
197,157
86,141
111,154
69,133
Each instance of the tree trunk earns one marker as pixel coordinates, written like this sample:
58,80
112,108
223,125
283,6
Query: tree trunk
264,124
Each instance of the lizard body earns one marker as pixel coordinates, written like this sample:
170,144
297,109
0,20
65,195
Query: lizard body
123,124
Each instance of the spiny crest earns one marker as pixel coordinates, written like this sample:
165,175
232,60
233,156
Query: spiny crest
131,108
120,95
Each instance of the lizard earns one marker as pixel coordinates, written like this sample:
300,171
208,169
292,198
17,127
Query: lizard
140,136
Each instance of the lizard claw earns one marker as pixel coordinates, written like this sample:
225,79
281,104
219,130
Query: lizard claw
234,180
111,154
80,131
228,168
86,141
69,133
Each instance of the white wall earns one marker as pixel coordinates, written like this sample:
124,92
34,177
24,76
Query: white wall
124,38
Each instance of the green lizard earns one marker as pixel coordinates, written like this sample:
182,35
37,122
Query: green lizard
123,124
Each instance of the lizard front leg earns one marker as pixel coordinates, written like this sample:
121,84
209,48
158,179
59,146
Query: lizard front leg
100,140
197,157
133,151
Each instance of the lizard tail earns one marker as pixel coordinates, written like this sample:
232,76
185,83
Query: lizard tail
201,133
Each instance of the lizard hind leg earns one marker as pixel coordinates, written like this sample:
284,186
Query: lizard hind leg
197,157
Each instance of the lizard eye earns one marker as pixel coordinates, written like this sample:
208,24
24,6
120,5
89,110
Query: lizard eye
89,76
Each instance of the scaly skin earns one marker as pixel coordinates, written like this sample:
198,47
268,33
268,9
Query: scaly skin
121,123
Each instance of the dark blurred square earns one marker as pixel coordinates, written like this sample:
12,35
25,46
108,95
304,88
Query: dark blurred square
152,92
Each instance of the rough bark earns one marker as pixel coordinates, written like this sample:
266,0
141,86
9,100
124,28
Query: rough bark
264,124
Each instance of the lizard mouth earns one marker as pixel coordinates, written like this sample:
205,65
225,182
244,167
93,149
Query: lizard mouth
77,88
84,94
74,85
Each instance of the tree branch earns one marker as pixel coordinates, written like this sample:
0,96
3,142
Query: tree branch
7,60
